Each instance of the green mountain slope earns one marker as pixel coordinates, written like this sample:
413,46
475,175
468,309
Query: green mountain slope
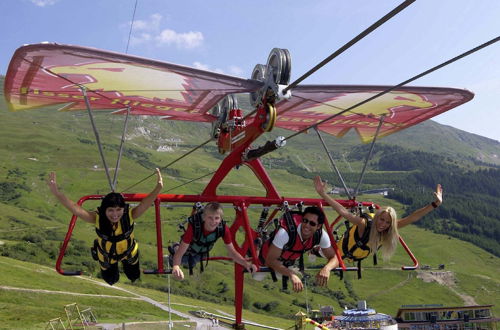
32,224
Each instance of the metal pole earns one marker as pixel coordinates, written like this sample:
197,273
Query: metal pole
96,133
333,163
305,278
170,324
121,148
369,155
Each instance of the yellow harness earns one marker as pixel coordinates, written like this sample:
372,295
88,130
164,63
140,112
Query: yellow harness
117,246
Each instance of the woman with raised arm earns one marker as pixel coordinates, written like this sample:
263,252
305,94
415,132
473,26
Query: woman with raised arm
114,222
381,232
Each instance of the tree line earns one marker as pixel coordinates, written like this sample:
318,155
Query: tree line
471,196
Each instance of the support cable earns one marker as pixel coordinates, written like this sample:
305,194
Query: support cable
96,133
369,155
131,26
360,36
168,165
342,49
390,89
333,163
195,179
115,178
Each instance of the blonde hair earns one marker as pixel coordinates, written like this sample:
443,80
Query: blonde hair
386,240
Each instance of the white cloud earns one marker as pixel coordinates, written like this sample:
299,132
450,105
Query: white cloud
206,67
149,30
233,69
153,24
187,40
201,66
43,3
140,38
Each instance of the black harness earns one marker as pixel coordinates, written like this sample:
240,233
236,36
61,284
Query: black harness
127,229
360,243
201,244
291,227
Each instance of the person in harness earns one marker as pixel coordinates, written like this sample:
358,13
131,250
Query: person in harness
295,236
114,221
380,233
203,230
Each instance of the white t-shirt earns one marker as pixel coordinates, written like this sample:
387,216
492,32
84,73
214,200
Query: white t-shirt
281,238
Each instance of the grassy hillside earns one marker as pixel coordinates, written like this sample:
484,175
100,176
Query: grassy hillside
33,224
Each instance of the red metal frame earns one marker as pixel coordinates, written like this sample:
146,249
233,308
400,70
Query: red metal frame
241,204
247,134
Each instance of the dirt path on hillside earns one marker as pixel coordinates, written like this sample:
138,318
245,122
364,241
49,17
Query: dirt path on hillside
201,323
446,278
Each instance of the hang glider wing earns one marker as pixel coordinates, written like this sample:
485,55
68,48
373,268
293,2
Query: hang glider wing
52,75
401,108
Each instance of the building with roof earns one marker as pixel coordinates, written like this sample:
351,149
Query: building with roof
416,317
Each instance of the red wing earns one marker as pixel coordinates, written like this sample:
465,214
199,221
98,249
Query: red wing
50,74
402,108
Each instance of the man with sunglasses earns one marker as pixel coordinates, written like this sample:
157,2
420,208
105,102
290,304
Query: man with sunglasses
309,232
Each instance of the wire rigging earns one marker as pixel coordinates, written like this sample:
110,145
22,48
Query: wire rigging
360,36
195,179
456,58
131,26
171,163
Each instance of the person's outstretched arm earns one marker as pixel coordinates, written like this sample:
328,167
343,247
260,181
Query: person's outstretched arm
342,211
176,267
237,257
272,261
69,204
149,199
324,274
438,195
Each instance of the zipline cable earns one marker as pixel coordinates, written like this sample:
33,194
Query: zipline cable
195,179
360,36
131,26
456,58
342,49
171,163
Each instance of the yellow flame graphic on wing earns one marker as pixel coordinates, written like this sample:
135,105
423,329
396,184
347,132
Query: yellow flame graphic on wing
128,80
377,107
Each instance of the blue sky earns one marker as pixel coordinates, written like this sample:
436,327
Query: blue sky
231,36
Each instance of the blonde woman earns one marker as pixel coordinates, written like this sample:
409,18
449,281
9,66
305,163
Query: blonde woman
381,233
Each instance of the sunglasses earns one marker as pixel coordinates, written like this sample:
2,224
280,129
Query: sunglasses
310,222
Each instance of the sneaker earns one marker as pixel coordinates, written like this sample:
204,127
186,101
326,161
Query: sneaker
172,248
259,276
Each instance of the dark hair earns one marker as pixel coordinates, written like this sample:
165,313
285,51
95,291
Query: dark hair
317,211
112,199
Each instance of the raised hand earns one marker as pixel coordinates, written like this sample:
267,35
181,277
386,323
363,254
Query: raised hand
160,179
438,194
319,185
52,182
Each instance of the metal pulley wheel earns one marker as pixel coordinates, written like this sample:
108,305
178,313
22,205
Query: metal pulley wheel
228,103
259,73
221,110
270,118
280,62
216,111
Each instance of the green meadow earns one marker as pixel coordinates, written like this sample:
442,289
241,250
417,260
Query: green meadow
33,225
